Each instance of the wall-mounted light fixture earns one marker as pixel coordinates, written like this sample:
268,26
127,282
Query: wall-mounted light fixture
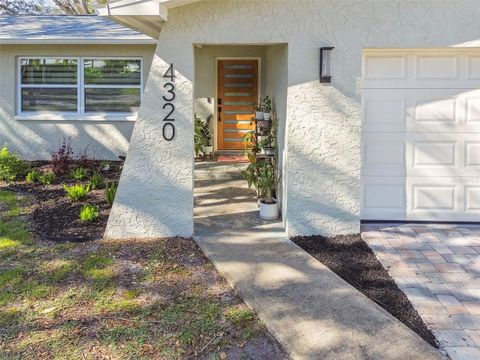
326,64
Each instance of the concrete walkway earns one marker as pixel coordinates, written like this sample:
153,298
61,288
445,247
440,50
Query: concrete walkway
438,268
311,311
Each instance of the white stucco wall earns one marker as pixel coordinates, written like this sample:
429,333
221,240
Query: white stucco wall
35,139
155,193
322,121
276,75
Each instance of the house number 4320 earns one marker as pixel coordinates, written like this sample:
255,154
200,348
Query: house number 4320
168,129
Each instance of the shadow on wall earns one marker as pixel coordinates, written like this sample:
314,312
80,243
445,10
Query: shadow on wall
34,140
329,154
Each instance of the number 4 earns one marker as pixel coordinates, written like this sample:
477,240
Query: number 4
170,73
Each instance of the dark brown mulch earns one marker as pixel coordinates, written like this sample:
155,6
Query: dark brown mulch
55,217
352,259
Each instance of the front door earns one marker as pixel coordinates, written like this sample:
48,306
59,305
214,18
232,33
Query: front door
237,96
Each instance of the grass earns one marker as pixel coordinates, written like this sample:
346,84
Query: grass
125,300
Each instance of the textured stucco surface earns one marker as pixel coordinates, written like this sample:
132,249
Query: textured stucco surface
35,139
276,74
322,121
155,193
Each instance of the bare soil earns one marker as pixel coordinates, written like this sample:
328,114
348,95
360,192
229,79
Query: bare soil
55,217
352,259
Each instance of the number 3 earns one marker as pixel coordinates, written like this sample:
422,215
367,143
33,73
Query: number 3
170,91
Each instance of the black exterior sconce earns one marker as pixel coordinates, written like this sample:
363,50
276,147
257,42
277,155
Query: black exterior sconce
326,64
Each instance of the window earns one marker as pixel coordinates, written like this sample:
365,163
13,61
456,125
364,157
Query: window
85,86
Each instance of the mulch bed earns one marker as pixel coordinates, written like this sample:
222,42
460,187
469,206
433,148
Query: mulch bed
55,217
352,259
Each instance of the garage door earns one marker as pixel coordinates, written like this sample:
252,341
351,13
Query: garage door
421,135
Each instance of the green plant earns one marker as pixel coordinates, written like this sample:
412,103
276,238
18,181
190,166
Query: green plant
250,142
79,173
11,167
267,181
266,142
267,104
110,192
47,178
199,140
95,181
77,192
32,176
251,171
89,212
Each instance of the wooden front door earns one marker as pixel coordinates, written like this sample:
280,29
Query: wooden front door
237,96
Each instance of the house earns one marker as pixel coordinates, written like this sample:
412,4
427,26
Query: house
48,91
390,133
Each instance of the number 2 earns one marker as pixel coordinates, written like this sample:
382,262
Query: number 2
172,109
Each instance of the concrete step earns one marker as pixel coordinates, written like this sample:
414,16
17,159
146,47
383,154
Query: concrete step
218,170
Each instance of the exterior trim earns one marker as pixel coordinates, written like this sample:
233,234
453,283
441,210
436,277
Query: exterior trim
26,41
80,114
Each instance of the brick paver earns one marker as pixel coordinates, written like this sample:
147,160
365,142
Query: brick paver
438,268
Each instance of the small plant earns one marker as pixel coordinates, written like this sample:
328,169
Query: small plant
267,181
267,104
89,212
62,157
47,178
95,181
199,140
79,173
77,192
110,192
33,176
11,167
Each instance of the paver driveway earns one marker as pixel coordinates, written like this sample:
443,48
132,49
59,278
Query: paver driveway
438,268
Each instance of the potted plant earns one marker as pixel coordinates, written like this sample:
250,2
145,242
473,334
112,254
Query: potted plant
266,145
199,139
267,108
207,135
266,184
259,110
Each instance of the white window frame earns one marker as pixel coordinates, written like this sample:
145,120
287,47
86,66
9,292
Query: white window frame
80,114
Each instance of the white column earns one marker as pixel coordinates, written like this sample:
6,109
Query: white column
155,193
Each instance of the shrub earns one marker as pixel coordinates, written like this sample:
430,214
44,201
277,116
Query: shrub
11,167
89,212
95,181
77,192
110,192
47,178
62,158
33,176
79,173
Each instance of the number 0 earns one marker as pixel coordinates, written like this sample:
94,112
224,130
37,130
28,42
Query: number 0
170,73
172,131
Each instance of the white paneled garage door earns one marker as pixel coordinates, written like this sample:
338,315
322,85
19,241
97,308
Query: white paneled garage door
421,135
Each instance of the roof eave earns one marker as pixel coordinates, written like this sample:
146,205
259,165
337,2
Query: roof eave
26,41
145,16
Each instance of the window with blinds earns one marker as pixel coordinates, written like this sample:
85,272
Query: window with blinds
80,85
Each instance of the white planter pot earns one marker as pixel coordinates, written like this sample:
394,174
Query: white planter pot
268,211
208,150
267,116
259,115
